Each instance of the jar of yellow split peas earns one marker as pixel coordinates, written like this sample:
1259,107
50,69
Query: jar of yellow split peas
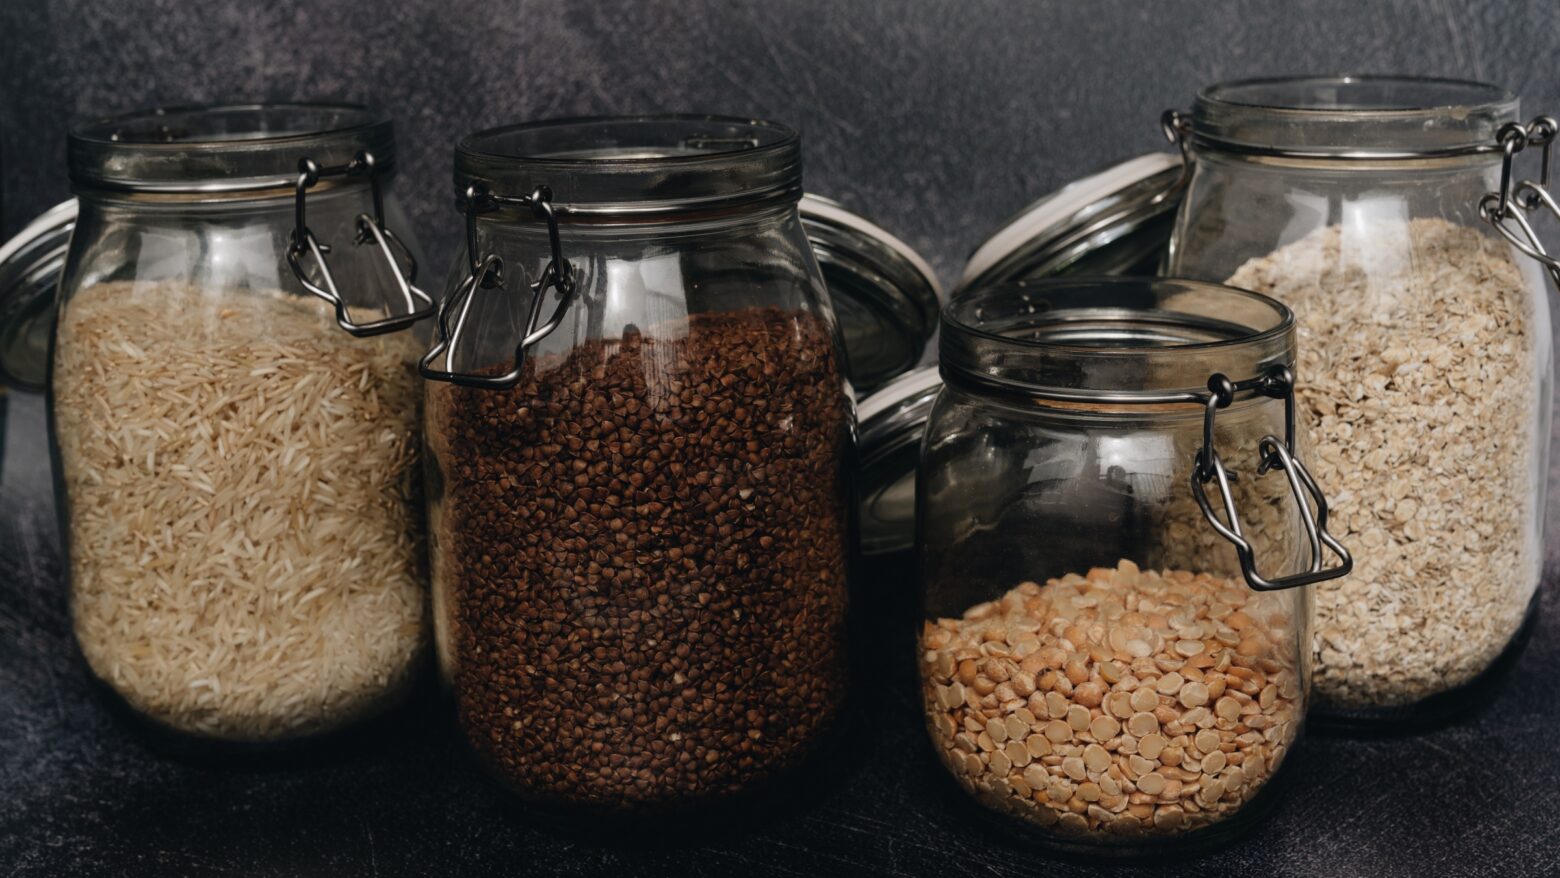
1115,529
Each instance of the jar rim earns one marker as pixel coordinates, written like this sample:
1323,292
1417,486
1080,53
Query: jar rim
223,147
635,165
1112,339
1242,92
1353,116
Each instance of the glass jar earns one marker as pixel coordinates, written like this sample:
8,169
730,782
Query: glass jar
639,430
1103,657
1361,202
236,442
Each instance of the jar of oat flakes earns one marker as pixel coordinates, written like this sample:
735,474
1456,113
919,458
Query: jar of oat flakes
234,407
1378,208
640,428
1114,524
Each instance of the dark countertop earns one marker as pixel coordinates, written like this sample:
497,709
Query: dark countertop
82,794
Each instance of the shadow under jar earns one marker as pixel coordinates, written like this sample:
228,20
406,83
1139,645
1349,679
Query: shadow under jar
236,442
1098,659
1372,206
640,432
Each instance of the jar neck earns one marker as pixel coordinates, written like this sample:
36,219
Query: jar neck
728,221
224,149
633,169
1352,118
1112,341
272,198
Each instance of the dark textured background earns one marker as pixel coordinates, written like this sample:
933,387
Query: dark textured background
938,119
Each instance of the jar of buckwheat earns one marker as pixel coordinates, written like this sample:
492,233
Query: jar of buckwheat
639,430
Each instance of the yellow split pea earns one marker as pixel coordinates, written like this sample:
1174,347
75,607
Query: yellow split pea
1122,702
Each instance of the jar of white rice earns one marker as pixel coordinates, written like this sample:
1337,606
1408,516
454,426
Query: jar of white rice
235,412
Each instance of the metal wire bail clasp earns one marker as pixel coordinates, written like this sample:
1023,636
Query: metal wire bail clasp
1176,126
487,272
369,228
1506,209
1278,383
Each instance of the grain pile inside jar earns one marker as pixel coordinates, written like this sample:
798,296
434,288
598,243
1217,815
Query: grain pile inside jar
1120,702
1417,365
241,478
643,548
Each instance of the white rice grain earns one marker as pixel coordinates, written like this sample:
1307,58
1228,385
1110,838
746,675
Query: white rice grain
208,588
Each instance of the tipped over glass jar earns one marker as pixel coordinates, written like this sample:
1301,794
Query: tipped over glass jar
1114,529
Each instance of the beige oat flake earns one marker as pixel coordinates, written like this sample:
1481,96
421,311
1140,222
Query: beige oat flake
1416,379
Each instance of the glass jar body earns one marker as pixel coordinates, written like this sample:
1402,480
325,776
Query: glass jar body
1092,663
639,550
1426,348
238,478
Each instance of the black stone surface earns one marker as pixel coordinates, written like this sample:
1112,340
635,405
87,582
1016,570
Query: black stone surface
938,119
82,793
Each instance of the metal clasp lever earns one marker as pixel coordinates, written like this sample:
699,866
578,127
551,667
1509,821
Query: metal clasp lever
369,228
1495,208
487,272
1277,384
1177,128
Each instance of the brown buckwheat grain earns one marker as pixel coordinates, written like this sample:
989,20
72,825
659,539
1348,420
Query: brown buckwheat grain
644,556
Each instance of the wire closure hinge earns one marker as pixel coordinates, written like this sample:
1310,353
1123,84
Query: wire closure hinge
1506,209
1278,383
486,273
1177,128
303,245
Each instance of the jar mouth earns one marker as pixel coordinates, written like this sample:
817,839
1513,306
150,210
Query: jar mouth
1358,116
223,148
635,165
1112,339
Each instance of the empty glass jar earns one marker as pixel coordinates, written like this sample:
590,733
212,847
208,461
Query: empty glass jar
235,418
640,434
1104,657
1364,203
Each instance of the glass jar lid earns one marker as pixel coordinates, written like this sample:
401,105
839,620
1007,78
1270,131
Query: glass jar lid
892,421
885,296
1117,221
224,148
645,167
1352,117
30,266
